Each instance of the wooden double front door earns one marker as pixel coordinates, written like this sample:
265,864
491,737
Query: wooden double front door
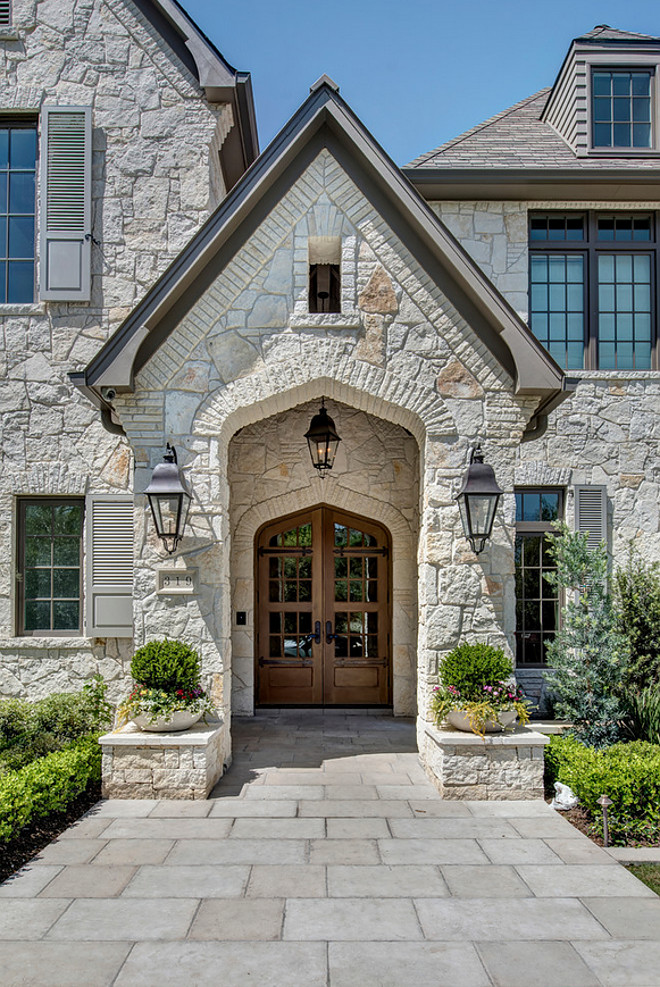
323,613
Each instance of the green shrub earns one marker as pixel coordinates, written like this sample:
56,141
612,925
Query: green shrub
628,773
47,785
588,655
166,665
637,600
470,667
29,730
642,709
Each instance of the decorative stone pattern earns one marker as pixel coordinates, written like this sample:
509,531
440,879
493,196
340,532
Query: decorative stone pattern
500,767
248,350
182,765
156,177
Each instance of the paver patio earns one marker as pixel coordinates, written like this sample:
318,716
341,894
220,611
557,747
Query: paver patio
325,857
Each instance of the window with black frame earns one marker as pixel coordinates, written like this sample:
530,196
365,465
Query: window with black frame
621,108
49,566
18,155
537,602
592,280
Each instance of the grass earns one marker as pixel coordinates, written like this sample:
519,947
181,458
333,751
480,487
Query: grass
649,874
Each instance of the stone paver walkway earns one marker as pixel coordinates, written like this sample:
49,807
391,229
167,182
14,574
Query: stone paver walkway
325,858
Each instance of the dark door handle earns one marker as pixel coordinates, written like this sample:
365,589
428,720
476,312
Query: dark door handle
316,636
329,635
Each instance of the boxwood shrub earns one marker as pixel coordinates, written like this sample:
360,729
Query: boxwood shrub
470,667
628,773
167,665
29,730
48,785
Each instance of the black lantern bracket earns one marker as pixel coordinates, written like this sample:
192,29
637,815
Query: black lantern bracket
169,499
477,500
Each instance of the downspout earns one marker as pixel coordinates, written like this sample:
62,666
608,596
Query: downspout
108,424
538,423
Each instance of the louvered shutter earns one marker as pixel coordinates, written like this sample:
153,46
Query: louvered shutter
110,552
5,13
591,513
66,203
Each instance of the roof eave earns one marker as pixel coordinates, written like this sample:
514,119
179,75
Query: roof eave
625,184
533,369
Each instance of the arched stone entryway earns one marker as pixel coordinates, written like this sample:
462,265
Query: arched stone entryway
376,476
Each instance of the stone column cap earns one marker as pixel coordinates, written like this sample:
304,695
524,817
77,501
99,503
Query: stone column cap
199,735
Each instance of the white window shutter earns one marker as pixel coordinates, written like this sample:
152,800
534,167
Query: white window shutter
591,513
66,203
110,551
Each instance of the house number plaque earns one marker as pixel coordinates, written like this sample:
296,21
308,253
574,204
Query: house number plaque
177,582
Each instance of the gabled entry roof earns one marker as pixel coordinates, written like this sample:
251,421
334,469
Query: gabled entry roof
323,121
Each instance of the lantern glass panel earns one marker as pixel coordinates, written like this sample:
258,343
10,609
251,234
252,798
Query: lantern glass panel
482,512
166,512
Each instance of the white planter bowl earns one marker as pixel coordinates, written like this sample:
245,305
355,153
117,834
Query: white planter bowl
181,720
461,721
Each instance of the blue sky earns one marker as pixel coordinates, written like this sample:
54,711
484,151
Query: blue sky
416,73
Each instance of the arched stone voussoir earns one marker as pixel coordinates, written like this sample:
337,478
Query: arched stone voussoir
306,497
363,386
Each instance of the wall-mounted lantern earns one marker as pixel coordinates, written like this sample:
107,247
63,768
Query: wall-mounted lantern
322,440
169,499
477,500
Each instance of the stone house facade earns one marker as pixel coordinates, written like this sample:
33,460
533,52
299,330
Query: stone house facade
205,328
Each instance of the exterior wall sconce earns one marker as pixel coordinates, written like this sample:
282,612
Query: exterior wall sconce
477,500
169,499
322,440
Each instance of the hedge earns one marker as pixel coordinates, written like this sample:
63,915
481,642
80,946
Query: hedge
49,784
628,773
30,730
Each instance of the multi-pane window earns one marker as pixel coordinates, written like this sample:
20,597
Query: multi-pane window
621,108
592,283
18,153
49,566
537,603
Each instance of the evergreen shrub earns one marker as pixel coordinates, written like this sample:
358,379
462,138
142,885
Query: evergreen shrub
166,665
628,773
470,667
29,730
47,785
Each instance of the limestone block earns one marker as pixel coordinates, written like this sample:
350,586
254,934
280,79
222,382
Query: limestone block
378,297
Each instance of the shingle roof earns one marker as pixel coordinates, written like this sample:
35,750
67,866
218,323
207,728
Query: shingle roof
518,138
603,32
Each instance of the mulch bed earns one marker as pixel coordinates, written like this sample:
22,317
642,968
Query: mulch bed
34,838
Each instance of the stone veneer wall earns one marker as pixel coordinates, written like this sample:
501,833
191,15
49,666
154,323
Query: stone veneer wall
156,176
249,350
608,431
500,767
376,474
182,765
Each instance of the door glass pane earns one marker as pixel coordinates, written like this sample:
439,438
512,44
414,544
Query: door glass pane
341,535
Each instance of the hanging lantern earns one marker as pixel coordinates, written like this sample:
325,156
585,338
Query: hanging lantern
169,500
322,440
477,501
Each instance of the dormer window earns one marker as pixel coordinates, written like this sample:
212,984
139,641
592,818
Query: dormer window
621,108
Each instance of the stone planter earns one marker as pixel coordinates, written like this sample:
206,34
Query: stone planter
181,720
461,721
